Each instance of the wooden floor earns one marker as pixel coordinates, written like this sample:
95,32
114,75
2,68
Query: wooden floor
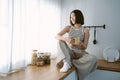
47,72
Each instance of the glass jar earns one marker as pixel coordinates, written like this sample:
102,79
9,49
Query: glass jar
40,61
34,57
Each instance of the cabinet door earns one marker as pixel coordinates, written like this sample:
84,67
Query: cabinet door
103,75
72,76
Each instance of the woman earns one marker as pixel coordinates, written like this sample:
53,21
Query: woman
72,48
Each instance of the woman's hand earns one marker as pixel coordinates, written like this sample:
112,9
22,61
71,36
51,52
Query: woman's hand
70,40
80,45
76,45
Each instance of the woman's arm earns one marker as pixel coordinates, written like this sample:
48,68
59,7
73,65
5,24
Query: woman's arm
84,44
60,36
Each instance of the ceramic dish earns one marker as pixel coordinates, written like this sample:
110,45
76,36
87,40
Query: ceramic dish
111,54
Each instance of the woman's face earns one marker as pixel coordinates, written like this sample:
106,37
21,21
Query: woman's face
72,18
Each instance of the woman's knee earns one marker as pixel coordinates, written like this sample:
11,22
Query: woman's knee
61,42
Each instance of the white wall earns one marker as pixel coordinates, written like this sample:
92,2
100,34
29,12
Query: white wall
97,12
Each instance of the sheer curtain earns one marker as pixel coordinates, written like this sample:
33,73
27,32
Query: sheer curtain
12,34
50,15
4,36
26,25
